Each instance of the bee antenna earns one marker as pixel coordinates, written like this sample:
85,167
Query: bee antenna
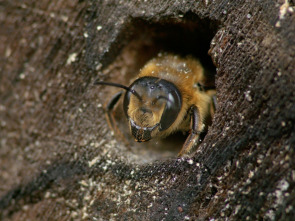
118,85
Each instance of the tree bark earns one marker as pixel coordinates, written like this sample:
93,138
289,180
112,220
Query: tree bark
58,157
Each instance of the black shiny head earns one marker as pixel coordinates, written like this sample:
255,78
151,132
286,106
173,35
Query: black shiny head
156,102
155,90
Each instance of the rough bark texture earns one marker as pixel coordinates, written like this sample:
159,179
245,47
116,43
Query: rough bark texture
58,159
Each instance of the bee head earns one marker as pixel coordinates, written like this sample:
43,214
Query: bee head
150,104
153,109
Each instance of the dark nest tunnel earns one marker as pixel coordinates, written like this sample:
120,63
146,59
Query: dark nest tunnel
185,36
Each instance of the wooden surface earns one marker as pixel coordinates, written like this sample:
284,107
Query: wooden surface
60,161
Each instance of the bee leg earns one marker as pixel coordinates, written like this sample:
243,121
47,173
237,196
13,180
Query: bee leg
111,119
214,101
193,137
213,105
110,108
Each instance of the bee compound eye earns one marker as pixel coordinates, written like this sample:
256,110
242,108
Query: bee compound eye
172,109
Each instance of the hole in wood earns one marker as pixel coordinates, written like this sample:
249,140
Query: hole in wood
189,36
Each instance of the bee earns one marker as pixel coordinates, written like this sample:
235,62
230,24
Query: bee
168,95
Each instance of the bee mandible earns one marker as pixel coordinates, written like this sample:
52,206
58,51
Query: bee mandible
168,95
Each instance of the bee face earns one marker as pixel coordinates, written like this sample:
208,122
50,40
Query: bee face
154,109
